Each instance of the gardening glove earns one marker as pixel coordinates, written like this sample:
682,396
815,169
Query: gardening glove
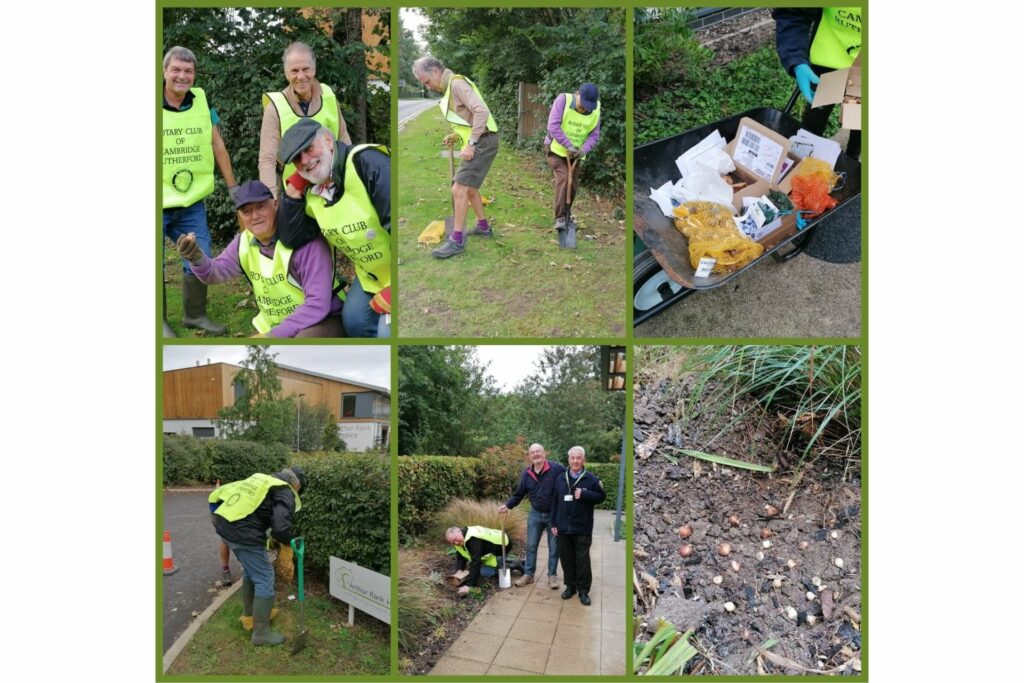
381,301
296,185
805,78
233,192
189,249
450,139
463,590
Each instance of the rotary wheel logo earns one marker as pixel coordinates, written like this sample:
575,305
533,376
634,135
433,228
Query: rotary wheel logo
182,180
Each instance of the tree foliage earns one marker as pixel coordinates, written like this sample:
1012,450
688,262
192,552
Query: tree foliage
239,52
556,48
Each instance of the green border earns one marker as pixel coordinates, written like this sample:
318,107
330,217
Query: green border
628,339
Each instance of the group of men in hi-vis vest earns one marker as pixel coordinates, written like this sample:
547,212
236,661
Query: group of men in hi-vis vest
814,41
337,197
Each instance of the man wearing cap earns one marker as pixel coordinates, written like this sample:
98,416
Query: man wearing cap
191,146
475,130
343,193
577,491
538,482
835,44
479,548
305,97
243,511
295,289
574,128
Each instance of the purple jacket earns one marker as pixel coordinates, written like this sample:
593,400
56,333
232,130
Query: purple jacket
555,128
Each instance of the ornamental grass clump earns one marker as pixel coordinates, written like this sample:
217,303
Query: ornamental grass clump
465,512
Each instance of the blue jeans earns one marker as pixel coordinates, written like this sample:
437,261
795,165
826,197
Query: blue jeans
487,572
536,523
257,568
183,220
358,319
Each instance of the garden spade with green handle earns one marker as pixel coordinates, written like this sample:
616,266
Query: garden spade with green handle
299,546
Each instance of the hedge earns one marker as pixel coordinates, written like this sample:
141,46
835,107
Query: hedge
191,461
346,508
426,483
608,473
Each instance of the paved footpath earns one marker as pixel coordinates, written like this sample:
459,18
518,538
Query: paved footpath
531,630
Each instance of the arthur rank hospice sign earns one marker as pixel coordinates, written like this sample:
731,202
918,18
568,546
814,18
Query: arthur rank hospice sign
361,588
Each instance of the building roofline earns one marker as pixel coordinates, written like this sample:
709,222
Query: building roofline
382,390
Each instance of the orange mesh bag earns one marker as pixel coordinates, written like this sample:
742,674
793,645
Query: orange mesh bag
813,180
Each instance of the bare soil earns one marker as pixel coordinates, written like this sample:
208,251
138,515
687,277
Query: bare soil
738,36
795,610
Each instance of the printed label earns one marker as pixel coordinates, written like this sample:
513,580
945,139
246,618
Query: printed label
705,266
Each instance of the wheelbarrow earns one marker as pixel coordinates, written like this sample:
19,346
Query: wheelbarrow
662,274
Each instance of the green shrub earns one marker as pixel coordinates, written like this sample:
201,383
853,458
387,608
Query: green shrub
665,51
499,469
608,473
186,461
192,461
426,483
345,510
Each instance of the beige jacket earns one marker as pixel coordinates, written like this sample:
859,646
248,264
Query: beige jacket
270,133
466,103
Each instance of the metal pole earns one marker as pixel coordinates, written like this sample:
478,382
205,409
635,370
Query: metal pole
622,486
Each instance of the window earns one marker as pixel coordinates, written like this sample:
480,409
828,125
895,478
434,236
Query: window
357,405
239,390
203,432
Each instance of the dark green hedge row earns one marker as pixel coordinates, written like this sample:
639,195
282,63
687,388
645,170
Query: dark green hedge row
608,473
191,461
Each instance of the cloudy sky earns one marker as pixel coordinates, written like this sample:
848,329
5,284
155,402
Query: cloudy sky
364,364
509,364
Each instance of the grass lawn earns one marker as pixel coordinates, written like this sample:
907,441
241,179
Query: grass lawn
222,647
519,283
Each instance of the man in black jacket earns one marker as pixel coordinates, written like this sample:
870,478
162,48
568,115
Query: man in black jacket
478,548
538,482
243,512
577,491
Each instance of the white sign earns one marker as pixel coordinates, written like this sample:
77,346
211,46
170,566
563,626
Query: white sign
361,588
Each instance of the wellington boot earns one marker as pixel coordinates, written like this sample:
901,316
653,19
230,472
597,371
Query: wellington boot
248,593
194,297
261,631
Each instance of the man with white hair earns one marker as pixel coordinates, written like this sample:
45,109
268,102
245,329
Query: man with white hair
538,482
577,491
305,97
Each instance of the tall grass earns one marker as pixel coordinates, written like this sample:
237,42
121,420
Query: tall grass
465,512
419,599
814,391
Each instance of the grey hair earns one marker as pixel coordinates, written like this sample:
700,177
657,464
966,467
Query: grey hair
288,476
298,45
427,63
330,133
451,529
180,53
578,448
532,445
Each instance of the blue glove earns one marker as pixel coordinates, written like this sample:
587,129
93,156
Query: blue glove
805,77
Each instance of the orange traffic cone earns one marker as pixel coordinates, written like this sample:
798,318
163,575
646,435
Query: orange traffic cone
169,567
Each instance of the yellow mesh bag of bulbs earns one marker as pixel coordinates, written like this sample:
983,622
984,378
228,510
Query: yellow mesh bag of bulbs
712,233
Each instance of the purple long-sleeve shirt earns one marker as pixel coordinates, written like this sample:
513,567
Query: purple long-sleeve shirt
310,265
555,131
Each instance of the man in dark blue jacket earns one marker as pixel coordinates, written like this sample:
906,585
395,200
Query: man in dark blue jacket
576,493
538,482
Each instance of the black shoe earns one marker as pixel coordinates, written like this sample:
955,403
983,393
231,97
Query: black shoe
585,598
568,592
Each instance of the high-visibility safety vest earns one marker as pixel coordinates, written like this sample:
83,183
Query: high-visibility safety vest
327,116
240,499
837,41
353,226
188,153
576,126
277,293
489,535
460,125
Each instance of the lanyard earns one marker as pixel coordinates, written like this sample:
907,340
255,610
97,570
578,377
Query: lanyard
569,486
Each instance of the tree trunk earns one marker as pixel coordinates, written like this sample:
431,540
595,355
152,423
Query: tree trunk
348,31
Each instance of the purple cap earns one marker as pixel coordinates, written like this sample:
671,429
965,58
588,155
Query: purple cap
251,191
588,96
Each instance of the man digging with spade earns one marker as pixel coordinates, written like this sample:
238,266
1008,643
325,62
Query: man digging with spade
574,128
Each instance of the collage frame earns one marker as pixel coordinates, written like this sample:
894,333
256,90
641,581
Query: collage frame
629,340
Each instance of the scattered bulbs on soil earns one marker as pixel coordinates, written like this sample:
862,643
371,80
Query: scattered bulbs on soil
735,565
717,580
724,549
838,562
734,520
685,550
729,607
771,511
766,532
685,531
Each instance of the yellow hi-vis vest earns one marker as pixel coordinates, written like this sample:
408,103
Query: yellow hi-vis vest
327,116
837,41
353,226
241,498
489,535
460,125
188,153
576,126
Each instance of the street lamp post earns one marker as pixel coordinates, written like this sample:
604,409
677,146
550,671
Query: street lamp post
298,409
613,378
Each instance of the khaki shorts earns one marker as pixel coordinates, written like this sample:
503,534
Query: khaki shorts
472,173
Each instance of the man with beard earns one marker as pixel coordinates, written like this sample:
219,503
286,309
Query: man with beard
344,193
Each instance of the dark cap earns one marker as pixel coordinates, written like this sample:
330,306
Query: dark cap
297,138
250,192
300,473
588,96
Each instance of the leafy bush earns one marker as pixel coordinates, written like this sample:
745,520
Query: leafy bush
345,510
499,469
426,483
608,473
466,512
191,461
665,51
186,461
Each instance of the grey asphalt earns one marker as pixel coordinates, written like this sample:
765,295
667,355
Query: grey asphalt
407,108
817,294
195,545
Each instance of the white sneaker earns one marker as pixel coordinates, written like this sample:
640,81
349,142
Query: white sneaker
553,582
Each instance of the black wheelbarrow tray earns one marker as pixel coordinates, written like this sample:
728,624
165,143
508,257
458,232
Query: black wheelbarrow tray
654,164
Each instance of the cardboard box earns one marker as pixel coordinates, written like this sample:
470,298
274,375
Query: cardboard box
842,87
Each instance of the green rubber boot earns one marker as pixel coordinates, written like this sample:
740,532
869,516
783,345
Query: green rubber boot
261,631
193,293
248,593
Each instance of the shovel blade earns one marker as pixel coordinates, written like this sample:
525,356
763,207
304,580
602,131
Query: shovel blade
561,238
300,642
570,237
